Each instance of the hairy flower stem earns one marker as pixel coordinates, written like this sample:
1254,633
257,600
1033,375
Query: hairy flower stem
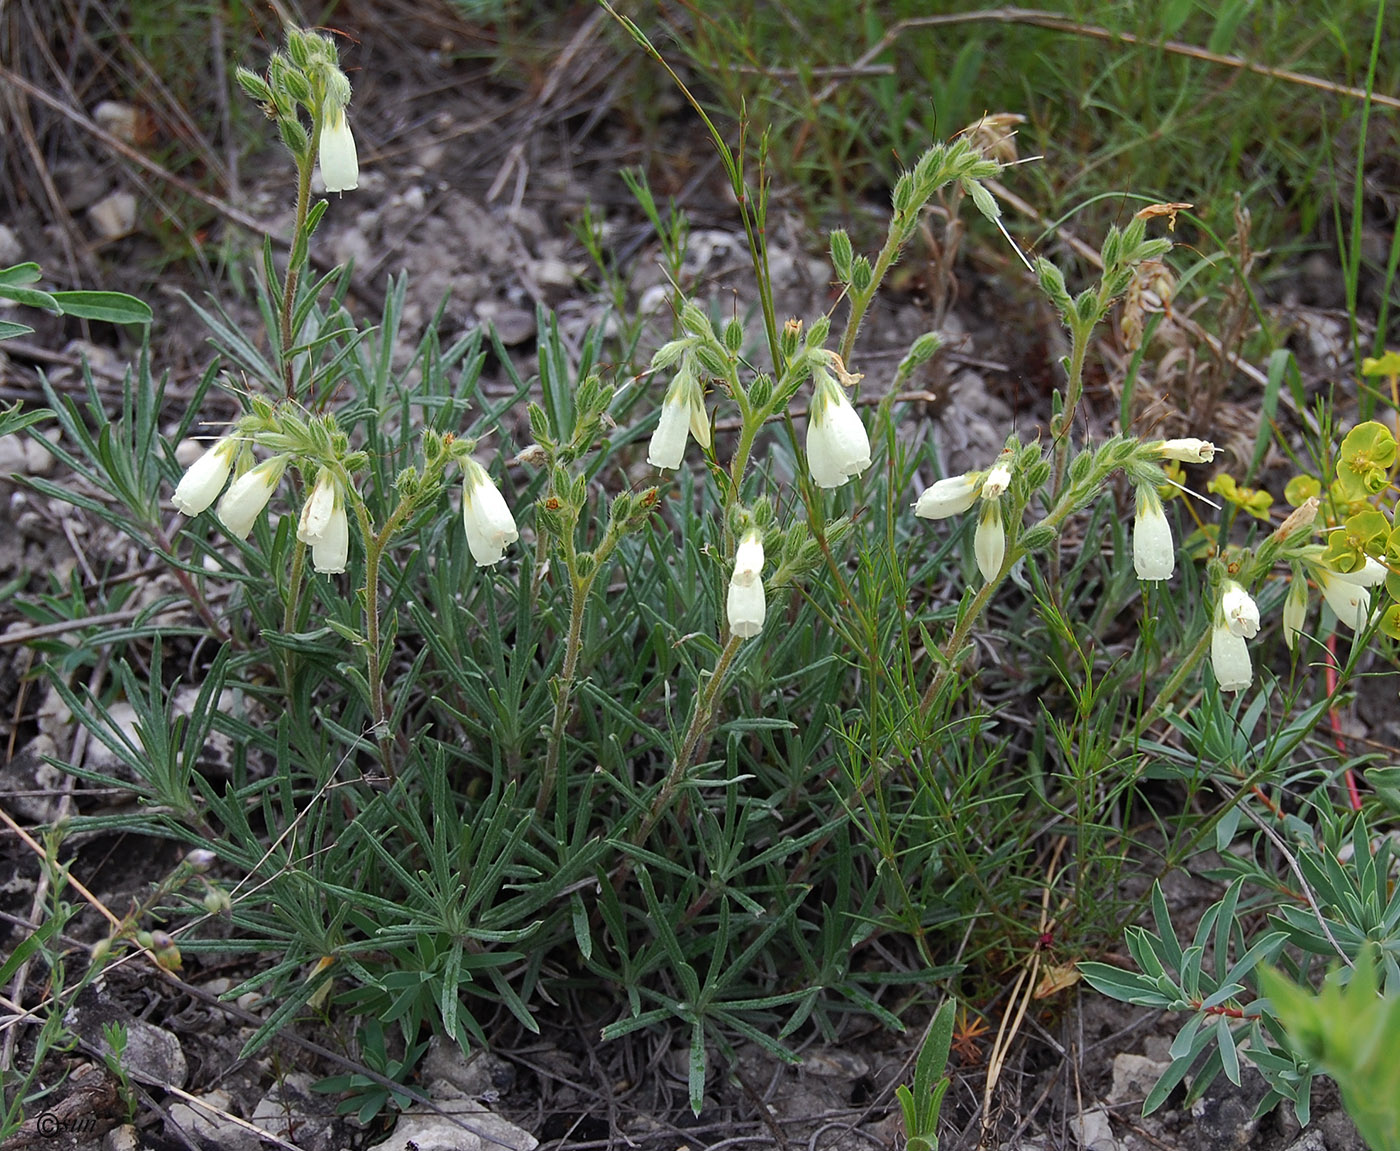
579,590
375,546
860,301
295,578
691,743
1079,349
289,286
1184,667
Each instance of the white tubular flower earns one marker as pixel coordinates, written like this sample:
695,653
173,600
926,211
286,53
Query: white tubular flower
747,606
1229,656
201,484
950,496
989,542
340,166
331,549
1187,451
668,441
325,526
1154,554
997,481
699,417
837,444
1239,611
320,506
248,495
1236,618
490,526
1295,609
682,412
1350,601
748,558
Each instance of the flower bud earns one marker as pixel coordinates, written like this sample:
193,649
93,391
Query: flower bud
1295,609
1189,451
201,859
217,901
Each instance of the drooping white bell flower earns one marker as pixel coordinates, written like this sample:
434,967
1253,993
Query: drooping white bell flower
248,495
746,605
682,412
949,496
490,526
1229,656
1154,553
989,542
201,484
319,507
837,444
1240,612
1236,619
325,526
331,549
340,165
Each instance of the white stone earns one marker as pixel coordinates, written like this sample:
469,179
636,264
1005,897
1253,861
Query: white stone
154,1053
122,1138
114,215
464,1126
121,120
205,1125
10,250
1134,1076
1094,1131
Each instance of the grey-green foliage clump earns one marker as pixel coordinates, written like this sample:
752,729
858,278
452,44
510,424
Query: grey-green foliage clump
733,746
1239,1007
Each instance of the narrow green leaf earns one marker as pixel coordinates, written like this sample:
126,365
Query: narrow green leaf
109,307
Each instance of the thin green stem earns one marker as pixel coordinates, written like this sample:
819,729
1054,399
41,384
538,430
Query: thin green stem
375,546
289,286
1079,349
295,579
294,582
1071,500
860,301
579,591
700,722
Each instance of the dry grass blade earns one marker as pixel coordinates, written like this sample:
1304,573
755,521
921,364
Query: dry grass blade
1058,23
1023,992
